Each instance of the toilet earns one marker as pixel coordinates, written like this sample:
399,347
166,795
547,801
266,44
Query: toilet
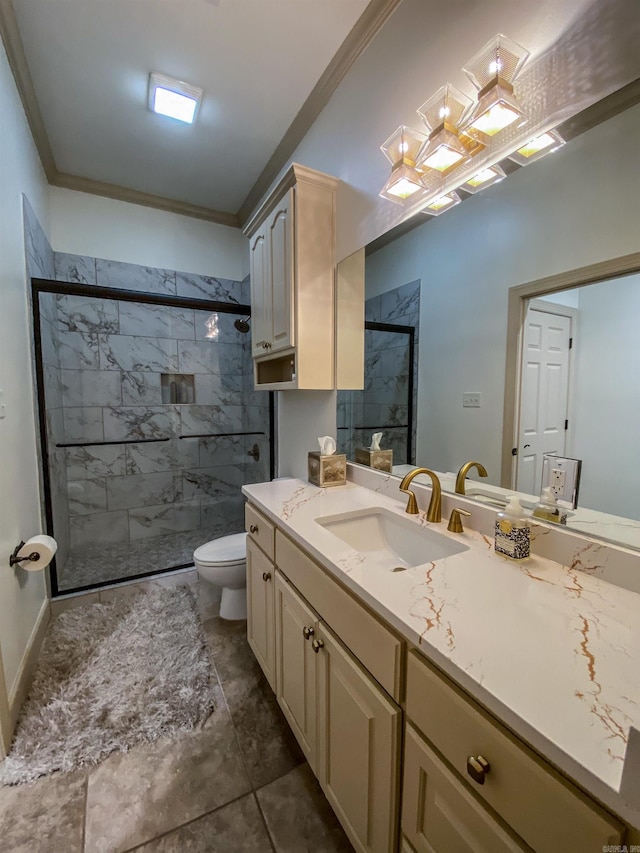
223,562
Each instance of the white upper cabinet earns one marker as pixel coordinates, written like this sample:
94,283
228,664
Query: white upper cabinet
293,301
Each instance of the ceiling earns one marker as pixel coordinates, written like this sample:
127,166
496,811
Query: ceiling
267,68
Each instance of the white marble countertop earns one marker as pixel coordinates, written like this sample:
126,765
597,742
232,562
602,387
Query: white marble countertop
552,651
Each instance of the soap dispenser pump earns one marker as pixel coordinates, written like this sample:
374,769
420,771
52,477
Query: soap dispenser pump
512,531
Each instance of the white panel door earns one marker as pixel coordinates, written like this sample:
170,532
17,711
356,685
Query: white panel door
544,394
260,610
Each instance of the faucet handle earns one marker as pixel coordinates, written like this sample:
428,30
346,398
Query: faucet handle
455,522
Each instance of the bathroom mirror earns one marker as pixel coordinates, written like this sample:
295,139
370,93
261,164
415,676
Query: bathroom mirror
471,269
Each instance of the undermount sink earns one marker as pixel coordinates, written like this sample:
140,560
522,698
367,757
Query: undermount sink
396,540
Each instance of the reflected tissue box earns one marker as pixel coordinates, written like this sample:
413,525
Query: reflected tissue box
326,471
381,460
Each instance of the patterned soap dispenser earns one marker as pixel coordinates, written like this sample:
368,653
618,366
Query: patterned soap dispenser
512,531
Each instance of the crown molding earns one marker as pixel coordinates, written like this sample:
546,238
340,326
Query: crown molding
120,193
364,31
19,68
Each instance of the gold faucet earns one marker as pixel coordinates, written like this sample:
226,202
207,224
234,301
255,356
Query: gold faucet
462,473
434,512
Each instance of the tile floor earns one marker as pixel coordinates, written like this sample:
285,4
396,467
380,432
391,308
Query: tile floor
239,783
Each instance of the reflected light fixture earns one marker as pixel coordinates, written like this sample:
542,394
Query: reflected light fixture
484,178
538,147
212,326
442,114
492,71
401,150
173,98
442,203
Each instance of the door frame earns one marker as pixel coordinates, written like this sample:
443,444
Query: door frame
518,298
558,310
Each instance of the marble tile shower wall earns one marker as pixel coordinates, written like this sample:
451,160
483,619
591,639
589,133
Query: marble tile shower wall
112,356
40,263
384,398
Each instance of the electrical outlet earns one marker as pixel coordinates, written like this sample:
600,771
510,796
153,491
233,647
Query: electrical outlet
562,476
471,400
558,477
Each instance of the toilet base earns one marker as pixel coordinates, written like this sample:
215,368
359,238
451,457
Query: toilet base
233,604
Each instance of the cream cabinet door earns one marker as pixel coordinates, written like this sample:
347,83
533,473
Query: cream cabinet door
260,609
296,665
358,748
280,238
439,815
261,295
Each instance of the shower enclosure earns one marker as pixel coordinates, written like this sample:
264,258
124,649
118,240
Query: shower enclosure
149,428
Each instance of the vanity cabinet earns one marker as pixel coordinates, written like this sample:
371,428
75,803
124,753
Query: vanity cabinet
261,591
543,810
292,268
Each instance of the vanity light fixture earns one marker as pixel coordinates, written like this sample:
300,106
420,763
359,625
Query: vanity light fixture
443,113
485,178
173,98
536,148
492,71
401,150
442,203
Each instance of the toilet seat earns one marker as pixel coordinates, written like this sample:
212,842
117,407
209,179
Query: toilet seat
226,551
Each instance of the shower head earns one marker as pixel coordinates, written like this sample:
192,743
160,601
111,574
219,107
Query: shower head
242,325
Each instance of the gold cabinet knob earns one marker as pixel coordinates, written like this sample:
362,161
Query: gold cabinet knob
455,522
307,632
477,768
266,576
253,528
317,645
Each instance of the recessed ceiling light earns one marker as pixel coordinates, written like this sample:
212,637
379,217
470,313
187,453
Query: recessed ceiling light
173,98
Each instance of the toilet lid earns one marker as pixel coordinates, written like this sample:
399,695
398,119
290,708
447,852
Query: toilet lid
227,549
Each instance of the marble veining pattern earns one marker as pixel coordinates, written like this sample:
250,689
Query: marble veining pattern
207,287
571,633
134,277
78,269
80,314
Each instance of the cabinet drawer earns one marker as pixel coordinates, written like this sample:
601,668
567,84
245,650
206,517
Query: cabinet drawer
260,529
439,813
378,649
543,808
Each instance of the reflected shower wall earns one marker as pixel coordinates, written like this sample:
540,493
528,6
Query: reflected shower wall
152,429
388,401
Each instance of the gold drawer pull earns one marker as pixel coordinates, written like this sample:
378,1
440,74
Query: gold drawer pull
253,528
307,632
317,645
478,768
266,576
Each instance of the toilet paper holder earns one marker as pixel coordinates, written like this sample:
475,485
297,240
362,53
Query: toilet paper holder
14,559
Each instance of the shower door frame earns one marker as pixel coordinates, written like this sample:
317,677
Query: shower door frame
44,285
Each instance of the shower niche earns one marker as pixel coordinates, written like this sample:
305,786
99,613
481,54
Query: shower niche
178,388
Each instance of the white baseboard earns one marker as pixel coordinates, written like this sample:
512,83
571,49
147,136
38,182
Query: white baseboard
27,666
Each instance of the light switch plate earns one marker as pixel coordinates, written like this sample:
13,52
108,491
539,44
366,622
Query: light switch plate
562,476
471,400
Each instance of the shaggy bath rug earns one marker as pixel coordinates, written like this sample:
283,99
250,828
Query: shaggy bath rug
111,676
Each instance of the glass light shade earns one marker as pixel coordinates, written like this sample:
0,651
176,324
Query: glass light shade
173,98
403,145
404,182
447,105
442,203
538,147
495,110
484,178
499,58
443,153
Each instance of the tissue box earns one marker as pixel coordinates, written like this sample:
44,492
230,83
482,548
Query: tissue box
381,460
327,470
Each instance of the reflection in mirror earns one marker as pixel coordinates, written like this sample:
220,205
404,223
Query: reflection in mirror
387,403
580,368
